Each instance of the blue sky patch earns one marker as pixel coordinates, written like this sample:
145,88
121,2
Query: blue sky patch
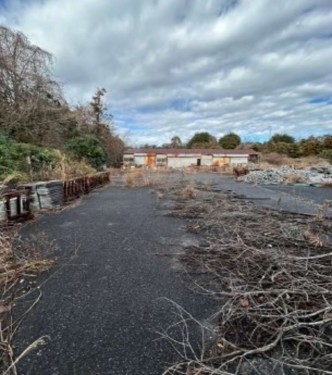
321,100
182,105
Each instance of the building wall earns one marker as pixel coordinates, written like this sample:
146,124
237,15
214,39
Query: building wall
140,160
161,160
206,160
181,161
185,160
219,160
239,160
128,160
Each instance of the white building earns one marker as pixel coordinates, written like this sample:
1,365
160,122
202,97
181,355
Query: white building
181,158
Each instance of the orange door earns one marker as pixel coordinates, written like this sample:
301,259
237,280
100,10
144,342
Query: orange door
151,160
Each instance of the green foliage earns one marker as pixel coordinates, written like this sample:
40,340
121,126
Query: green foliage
202,140
88,148
259,147
285,145
24,158
284,148
285,138
33,111
230,141
293,150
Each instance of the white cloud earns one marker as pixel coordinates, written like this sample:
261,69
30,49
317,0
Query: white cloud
178,66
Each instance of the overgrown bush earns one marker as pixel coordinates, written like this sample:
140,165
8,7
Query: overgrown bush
24,158
88,148
24,162
327,154
286,145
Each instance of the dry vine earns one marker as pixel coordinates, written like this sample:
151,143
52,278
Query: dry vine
272,272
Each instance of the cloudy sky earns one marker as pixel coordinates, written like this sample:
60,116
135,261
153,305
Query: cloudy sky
175,67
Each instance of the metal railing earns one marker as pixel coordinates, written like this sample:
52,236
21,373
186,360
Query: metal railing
76,187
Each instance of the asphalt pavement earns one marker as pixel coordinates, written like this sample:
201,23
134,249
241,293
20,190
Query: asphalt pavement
306,200
104,303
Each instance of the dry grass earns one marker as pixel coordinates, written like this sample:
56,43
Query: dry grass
20,262
327,185
135,178
189,192
144,178
65,169
274,159
271,272
277,160
291,179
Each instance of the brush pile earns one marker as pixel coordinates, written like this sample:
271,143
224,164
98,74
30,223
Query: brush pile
271,272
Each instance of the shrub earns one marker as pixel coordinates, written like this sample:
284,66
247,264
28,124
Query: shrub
273,158
310,146
24,157
285,138
8,161
327,154
202,140
88,148
230,141
37,157
24,162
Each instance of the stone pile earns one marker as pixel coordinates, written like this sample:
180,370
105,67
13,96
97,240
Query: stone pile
286,174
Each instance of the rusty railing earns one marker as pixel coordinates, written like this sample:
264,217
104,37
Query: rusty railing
76,187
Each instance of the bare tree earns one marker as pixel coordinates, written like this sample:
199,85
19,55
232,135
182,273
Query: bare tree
31,102
176,142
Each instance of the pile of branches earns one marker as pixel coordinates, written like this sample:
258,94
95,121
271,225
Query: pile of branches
20,263
272,272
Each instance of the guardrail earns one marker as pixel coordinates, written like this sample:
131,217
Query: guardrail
76,187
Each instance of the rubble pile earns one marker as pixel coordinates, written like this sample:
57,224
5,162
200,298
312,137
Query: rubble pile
286,174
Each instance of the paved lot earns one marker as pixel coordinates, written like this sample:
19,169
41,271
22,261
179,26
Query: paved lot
103,307
298,199
306,193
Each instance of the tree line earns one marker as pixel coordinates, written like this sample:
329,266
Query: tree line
33,109
279,143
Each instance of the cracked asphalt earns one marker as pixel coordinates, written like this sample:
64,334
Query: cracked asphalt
306,200
104,304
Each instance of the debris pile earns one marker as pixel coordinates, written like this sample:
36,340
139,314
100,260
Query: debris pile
289,175
274,284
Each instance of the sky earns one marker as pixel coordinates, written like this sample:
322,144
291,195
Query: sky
176,67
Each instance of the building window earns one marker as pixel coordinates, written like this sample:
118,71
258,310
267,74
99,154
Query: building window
129,160
161,162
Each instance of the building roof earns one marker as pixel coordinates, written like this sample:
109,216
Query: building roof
181,151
